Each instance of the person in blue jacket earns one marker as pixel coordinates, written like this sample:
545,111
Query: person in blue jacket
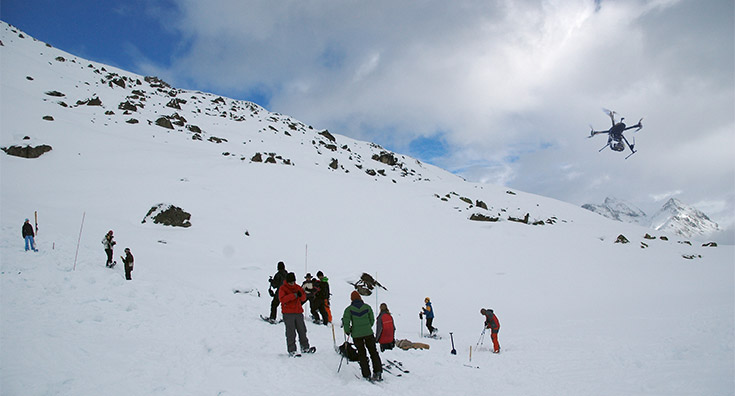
428,311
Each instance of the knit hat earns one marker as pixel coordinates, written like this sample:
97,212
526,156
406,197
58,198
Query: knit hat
355,295
290,277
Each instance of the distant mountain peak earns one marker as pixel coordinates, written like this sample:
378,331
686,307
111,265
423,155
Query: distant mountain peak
674,217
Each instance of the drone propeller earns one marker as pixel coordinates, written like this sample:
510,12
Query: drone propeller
640,125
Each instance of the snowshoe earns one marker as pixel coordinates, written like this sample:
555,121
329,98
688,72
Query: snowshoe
294,354
377,377
269,320
310,350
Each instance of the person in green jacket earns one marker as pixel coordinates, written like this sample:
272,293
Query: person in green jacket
357,321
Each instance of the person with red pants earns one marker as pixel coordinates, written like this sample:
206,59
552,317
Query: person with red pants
492,323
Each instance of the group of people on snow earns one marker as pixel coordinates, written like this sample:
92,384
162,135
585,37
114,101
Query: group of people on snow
357,319
109,243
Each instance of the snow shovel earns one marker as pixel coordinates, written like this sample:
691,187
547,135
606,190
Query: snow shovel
454,351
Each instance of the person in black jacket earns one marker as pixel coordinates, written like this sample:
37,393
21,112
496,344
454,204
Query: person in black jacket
275,283
321,298
28,236
128,261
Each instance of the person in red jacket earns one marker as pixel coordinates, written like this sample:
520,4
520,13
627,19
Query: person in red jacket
492,323
291,297
385,329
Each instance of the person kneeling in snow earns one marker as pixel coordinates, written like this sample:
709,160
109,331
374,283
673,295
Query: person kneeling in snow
492,323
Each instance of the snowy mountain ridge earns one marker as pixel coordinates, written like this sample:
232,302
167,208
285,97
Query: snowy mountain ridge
261,188
674,217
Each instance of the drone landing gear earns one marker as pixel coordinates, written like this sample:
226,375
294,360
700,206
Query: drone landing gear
630,154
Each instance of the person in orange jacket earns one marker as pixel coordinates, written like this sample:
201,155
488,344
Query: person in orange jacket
492,323
292,296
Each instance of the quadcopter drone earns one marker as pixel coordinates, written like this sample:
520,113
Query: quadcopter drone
615,139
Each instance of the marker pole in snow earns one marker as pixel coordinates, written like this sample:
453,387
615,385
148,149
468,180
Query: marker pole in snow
35,216
421,316
78,240
306,258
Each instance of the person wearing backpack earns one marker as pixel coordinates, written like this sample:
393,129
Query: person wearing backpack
357,321
492,323
385,330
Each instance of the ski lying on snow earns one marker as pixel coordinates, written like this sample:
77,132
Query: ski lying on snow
397,365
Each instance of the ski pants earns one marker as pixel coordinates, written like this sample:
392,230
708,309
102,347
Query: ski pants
494,337
368,342
109,257
312,307
31,242
322,306
274,305
128,271
295,324
429,322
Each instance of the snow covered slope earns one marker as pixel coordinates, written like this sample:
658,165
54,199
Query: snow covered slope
580,314
674,217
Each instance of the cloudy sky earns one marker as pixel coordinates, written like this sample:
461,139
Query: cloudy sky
502,92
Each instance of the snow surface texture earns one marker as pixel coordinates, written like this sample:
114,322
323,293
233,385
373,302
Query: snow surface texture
580,314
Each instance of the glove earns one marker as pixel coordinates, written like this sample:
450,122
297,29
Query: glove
298,294
270,291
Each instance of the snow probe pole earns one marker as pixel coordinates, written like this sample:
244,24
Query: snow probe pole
454,351
334,338
78,240
482,338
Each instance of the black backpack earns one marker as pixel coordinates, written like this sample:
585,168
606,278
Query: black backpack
349,351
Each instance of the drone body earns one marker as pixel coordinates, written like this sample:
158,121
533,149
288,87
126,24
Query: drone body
615,138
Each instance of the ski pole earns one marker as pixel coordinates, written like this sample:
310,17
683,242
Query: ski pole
482,338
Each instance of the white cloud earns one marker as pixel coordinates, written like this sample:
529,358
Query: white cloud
511,85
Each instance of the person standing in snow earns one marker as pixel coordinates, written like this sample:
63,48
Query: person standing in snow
492,323
428,311
275,283
128,262
310,288
28,236
385,330
108,243
357,321
322,298
292,296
